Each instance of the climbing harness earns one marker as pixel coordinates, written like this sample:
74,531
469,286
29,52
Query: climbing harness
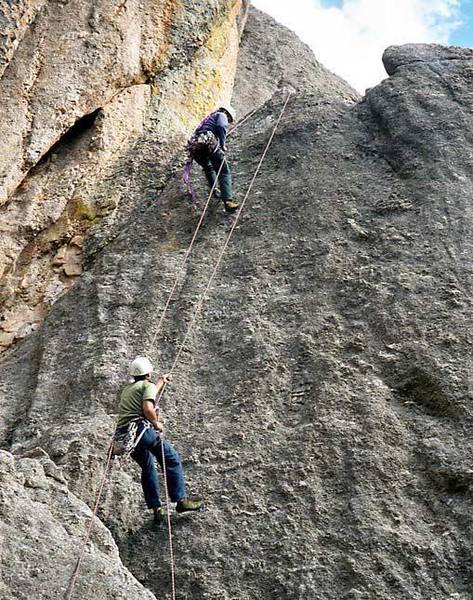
202,142
197,310
199,143
127,438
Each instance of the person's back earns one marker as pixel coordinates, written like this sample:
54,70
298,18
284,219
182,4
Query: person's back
131,400
207,147
217,123
137,409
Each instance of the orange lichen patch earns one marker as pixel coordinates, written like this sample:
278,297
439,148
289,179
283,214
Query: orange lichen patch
219,37
211,79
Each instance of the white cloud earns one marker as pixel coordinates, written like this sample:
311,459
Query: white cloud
350,40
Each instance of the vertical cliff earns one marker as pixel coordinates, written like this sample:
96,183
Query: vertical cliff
83,88
322,405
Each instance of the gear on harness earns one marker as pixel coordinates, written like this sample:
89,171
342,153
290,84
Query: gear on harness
126,438
202,143
187,174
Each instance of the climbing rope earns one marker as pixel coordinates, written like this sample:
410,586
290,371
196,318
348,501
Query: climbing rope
186,256
168,519
193,320
197,310
243,121
196,231
75,573
227,241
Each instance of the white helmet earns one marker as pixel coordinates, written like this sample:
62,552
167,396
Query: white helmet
140,366
231,112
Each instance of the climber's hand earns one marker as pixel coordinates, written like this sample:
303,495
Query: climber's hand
166,378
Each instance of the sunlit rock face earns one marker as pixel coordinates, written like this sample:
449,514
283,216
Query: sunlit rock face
86,83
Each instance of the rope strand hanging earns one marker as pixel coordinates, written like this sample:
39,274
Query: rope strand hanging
196,231
75,573
194,319
186,256
227,241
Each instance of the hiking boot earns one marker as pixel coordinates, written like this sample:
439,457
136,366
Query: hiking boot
231,206
186,505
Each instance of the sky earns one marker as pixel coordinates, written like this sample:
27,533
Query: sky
349,36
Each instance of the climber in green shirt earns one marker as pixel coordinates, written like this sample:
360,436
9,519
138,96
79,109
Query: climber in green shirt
137,404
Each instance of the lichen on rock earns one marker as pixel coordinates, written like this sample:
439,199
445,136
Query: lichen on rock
59,197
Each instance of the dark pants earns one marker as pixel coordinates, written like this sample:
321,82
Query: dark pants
210,162
148,451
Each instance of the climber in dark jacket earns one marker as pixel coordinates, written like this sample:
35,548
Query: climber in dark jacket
207,147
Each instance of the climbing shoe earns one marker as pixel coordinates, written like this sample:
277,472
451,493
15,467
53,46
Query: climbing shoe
231,206
187,505
217,193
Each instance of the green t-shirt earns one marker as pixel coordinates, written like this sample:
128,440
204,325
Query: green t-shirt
131,400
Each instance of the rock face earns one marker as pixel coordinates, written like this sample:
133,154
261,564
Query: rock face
83,88
41,522
322,404
424,56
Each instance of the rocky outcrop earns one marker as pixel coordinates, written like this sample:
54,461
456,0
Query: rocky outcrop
40,524
74,60
273,58
322,403
423,55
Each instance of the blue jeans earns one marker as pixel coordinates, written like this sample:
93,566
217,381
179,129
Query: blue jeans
150,450
210,162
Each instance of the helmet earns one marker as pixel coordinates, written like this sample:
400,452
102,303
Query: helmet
231,112
140,366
